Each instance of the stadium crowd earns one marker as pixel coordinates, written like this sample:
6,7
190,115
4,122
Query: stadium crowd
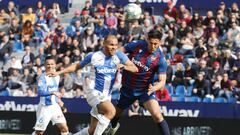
202,51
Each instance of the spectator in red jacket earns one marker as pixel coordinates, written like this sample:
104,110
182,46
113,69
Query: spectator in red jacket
163,95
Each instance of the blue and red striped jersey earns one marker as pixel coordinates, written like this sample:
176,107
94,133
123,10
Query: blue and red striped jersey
148,65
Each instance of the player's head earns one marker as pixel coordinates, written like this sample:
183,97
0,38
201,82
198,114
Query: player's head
110,45
50,63
154,40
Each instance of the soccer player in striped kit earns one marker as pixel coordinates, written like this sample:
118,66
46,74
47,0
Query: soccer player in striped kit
149,58
50,101
106,64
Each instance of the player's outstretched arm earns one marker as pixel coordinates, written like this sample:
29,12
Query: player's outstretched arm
69,69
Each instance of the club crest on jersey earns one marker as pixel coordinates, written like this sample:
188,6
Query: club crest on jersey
153,58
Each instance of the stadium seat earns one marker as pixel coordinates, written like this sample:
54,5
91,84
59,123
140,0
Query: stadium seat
189,90
4,93
180,90
232,100
169,87
193,99
207,100
178,98
219,100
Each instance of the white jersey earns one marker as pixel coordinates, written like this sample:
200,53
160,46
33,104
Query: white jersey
105,69
47,85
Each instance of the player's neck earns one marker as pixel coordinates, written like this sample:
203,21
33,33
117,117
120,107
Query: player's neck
105,53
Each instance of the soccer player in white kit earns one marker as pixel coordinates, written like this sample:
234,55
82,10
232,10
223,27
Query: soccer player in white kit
49,108
106,64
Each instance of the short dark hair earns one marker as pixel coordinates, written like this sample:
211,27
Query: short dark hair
155,34
49,57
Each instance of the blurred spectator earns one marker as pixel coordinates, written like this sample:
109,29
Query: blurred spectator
100,9
170,14
196,20
135,109
27,32
38,36
183,30
88,7
207,19
14,63
111,19
169,72
215,71
86,20
26,79
198,30
28,58
216,86
135,31
200,48
30,15
15,84
226,87
171,43
233,33
12,8
227,61
189,75
76,17
66,84
37,64
40,9
6,48
213,40
89,40
30,92
200,86
179,74
210,29
163,95
101,29
122,32
52,14
78,84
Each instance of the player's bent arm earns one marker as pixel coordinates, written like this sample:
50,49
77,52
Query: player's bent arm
161,81
160,84
130,66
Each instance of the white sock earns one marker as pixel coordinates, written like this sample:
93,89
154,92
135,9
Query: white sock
33,133
102,124
65,133
83,132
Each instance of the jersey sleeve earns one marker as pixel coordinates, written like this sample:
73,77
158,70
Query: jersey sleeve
86,60
162,66
132,45
42,86
123,57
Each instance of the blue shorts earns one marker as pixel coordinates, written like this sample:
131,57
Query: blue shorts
128,96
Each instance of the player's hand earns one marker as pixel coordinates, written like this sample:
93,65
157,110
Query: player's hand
58,94
120,66
150,89
52,73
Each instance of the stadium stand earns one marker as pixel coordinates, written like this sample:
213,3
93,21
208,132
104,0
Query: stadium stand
194,44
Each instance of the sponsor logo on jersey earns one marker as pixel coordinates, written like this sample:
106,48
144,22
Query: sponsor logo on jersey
138,63
106,70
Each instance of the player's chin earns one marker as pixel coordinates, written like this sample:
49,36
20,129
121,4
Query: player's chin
112,52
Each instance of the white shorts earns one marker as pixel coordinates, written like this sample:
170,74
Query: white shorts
46,113
94,97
